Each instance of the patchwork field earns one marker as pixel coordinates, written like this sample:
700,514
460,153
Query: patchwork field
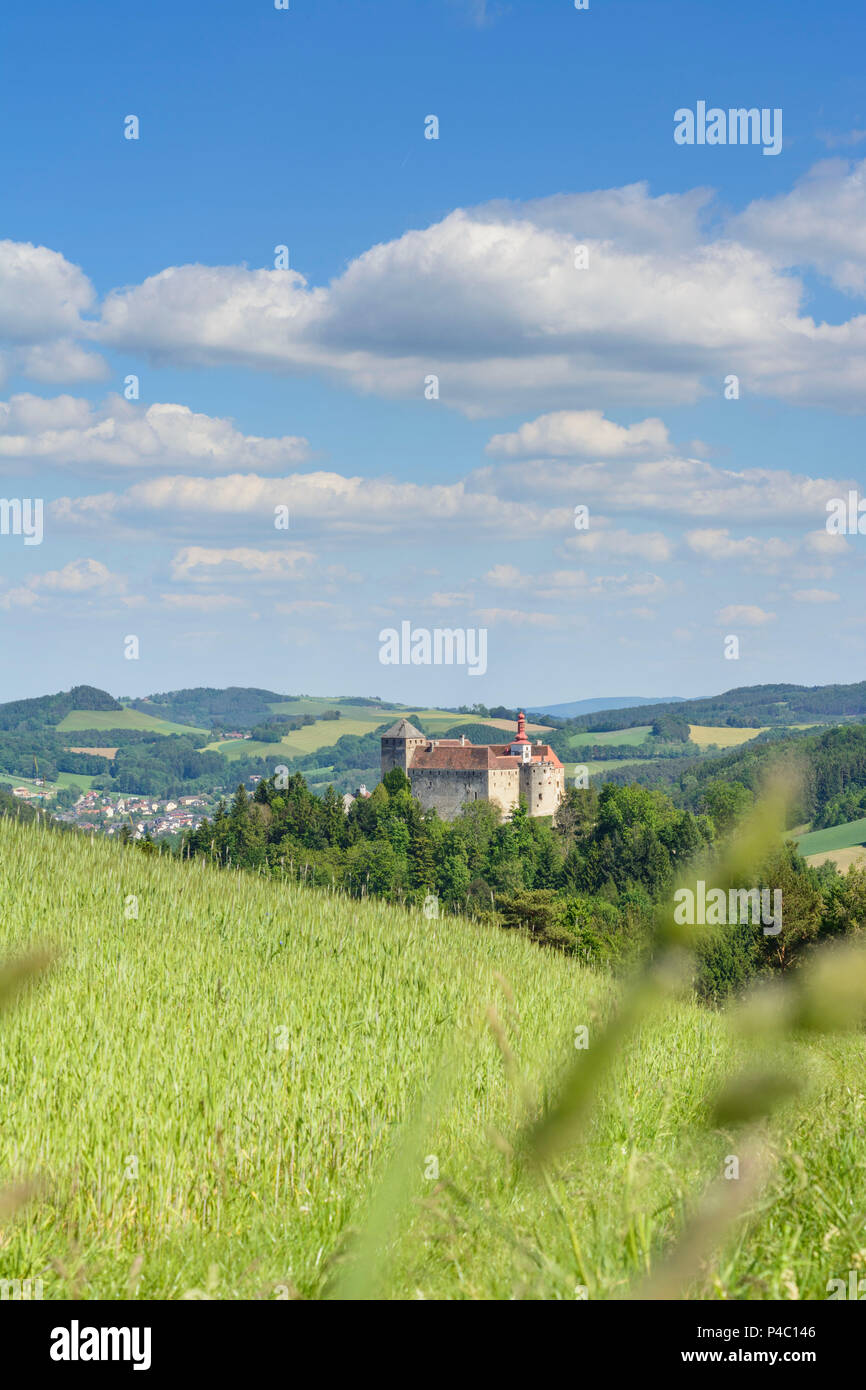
221,1097
324,734
298,742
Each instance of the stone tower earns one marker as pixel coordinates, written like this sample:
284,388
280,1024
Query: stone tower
399,744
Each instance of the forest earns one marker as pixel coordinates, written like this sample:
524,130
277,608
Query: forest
589,883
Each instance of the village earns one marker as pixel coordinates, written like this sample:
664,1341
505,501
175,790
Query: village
109,812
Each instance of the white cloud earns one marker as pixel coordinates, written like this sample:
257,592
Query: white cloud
672,486
582,433
613,544
746,614
42,299
720,545
663,313
85,576
42,295
517,617
821,222
489,300
505,577
321,502
200,562
202,603
69,431
566,583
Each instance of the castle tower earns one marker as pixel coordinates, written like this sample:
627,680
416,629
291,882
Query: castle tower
399,744
521,747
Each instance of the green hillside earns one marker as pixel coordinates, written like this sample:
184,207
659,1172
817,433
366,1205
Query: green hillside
835,837
124,719
632,737
211,1093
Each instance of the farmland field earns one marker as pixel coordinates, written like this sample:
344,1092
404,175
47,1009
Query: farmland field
212,1093
324,734
844,859
297,743
121,719
833,838
705,734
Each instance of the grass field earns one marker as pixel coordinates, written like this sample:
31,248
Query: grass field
348,711
211,1095
705,734
121,719
297,743
834,838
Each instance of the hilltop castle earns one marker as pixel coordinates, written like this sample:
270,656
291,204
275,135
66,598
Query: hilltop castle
447,774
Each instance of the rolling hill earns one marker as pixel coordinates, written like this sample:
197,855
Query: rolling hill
260,1076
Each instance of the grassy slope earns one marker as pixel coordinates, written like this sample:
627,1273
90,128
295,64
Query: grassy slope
159,1039
121,719
834,837
298,742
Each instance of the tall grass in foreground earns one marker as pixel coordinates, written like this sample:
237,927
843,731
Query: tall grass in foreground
260,1091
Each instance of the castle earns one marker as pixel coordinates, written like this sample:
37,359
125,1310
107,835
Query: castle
447,774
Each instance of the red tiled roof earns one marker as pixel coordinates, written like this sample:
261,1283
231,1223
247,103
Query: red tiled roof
450,753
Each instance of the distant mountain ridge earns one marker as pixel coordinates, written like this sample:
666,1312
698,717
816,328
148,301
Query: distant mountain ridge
242,707
574,708
745,707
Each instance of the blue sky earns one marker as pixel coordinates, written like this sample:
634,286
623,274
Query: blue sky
408,257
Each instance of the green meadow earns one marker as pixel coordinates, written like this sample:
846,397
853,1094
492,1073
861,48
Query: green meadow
121,719
252,1090
834,837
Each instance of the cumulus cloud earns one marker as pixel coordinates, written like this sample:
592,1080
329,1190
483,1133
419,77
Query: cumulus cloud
615,544
489,299
42,295
567,583
203,563
672,486
518,617
664,308
121,435
720,545
577,433
321,501
746,614
43,298
85,576
821,222
202,603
